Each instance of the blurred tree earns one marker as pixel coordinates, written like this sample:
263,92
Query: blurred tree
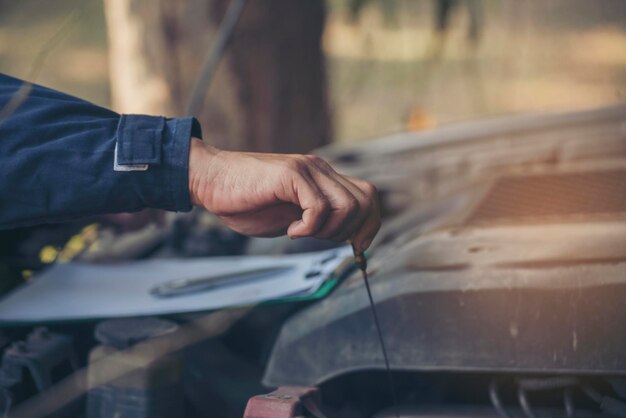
269,93
389,8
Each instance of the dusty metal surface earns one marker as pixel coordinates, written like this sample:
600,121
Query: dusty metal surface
416,169
505,320
542,292
555,196
473,411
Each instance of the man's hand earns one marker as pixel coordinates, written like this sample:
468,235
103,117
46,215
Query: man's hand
272,194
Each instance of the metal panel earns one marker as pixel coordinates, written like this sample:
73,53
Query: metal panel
562,195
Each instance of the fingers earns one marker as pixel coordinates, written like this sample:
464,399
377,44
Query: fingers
366,233
334,207
306,194
356,207
344,209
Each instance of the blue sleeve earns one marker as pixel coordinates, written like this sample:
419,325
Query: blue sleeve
63,158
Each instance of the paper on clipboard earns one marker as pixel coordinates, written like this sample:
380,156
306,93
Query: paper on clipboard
77,291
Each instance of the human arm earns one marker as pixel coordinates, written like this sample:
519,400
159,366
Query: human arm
57,157
274,194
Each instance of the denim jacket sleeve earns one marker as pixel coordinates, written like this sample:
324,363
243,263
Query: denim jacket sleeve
63,158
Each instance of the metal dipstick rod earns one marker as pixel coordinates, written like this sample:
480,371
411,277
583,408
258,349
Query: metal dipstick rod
361,262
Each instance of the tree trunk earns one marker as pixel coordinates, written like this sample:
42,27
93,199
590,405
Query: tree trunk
269,93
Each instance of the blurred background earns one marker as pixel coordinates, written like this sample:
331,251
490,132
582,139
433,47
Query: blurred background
300,74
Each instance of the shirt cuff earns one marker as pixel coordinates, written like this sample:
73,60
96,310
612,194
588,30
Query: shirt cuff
159,147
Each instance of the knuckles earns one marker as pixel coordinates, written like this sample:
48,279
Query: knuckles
351,207
342,208
294,165
314,159
370,190
321,206
300,163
